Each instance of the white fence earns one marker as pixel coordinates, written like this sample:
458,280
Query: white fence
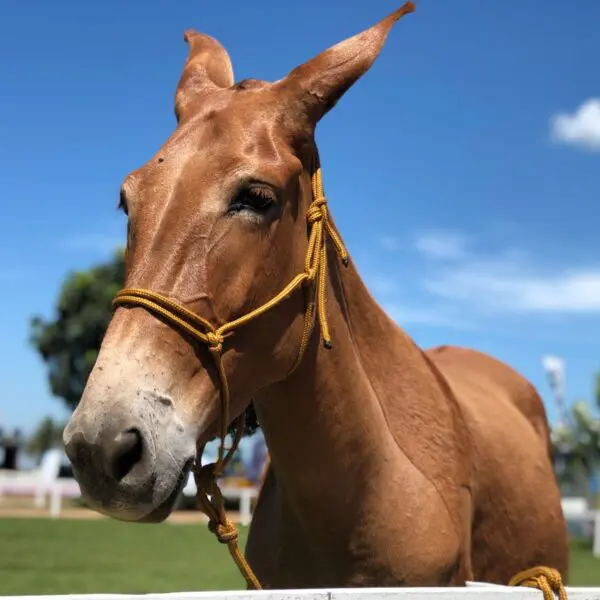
577,509
473,591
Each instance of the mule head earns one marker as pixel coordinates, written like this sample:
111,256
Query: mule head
217,220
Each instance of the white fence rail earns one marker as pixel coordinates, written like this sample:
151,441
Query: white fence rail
473,591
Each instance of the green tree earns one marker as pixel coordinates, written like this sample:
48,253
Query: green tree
69,343
47,435
576,444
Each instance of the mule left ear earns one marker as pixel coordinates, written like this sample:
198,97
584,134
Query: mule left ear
319,83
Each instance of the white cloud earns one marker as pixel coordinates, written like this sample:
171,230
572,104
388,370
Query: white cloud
576,291
507,284
442,245
582,128
392,298
468,290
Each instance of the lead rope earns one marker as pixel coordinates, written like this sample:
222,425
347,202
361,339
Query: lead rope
210,498
545,579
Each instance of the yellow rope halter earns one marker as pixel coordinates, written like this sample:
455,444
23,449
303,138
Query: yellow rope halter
314,278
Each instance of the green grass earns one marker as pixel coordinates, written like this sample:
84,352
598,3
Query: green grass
40,556
59,557
584,568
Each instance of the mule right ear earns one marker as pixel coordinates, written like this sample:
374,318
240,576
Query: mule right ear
208,68
318,84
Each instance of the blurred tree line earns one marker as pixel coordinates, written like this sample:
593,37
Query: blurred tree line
576,447
69,342
48,434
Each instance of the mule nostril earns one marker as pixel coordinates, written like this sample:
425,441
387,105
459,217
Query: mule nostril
77,449
124,453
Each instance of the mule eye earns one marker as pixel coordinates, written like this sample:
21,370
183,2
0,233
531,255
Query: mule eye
255,198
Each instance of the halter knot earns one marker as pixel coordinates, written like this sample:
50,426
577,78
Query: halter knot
317,211
311,275
225,532
545,579
215,342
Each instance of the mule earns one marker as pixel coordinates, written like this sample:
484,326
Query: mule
389,465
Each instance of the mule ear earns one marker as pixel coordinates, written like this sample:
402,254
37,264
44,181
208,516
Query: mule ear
319,83
207,68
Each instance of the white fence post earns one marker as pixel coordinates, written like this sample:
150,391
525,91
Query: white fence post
596,548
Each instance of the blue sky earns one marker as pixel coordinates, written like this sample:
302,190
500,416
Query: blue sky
462,170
